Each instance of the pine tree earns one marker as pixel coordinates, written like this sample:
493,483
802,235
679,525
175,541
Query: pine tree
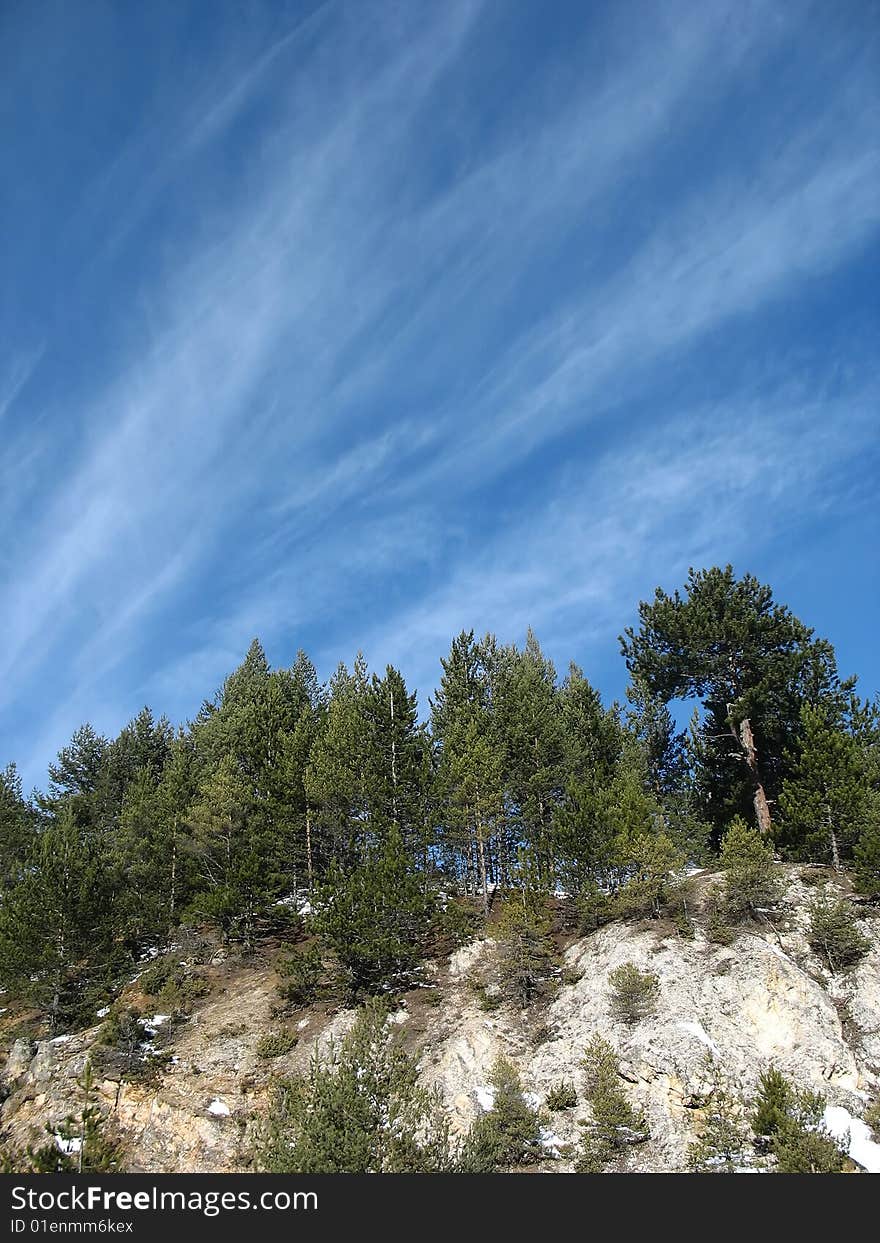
359,1109
824,801
336,777
613,1125
56,922
527,959
470,768
395,753
18,824
747,859
507,1135
789,1124
376,917
592,736
84,1143
723,1144
751,662
531,726
233,854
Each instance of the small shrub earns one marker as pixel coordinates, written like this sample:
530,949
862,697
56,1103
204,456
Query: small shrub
230,1030
684,924
751,883
835,933
487,1000
634,993
173,986
180,994
654,860
813,876
301,976
872,1116
788,1124
526,957
275,1044
614,1124
507,1135
594,909
121,1030
718,930
561,1096
457,923
155,977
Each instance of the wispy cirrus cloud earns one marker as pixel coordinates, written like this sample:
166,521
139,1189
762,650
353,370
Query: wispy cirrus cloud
366,278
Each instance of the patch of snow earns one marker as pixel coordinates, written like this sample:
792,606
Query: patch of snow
301,1024
532,1100
298,901
218,1108
550,1141
61,1039
864,1150
691,870
696,1029
485,1097
153,1024
102,1013
68,1146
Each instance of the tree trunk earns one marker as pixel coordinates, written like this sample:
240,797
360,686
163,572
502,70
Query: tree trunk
309,846
172,897
832,837
393,765
481,847
759,798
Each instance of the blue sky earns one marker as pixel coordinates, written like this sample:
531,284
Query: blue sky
354,325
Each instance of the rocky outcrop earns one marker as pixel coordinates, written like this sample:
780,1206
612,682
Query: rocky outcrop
764,999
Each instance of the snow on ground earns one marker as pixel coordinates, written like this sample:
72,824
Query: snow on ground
550,1141
61,1039
862,1148
696,1029
153,1024
102,1013
298,901
218,1108
68,1146
485,1097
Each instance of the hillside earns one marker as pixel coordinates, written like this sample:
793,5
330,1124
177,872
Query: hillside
765,998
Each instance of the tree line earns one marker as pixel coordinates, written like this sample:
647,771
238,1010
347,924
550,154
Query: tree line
284,791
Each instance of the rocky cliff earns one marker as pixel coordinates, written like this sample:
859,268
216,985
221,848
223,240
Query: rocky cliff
723,1010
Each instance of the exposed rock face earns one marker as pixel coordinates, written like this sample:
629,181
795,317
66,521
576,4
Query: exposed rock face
765,998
